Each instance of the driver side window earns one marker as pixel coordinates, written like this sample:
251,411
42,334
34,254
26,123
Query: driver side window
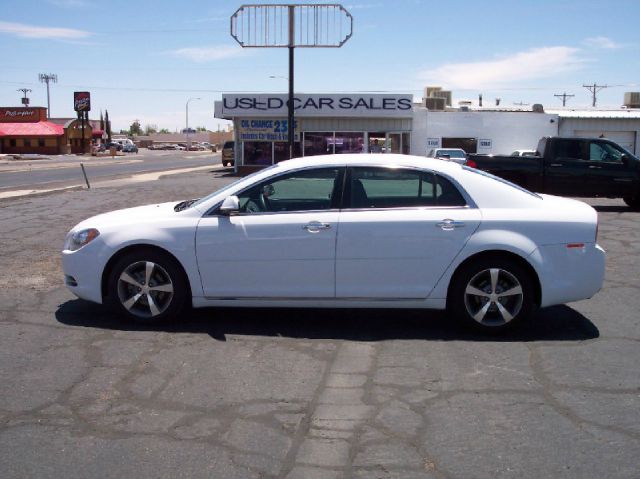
604,152
306,190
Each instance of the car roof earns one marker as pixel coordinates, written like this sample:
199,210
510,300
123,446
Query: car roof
370,159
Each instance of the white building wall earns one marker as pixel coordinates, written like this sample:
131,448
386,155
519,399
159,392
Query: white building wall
612,128
503,132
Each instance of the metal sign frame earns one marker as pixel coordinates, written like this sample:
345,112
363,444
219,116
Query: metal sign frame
325,25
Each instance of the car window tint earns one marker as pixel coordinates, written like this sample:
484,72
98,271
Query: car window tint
395,188
298,191
447,194
568,149
599,151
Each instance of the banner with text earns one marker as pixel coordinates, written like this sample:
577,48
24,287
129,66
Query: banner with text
265,129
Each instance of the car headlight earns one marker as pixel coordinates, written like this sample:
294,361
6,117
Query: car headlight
78,239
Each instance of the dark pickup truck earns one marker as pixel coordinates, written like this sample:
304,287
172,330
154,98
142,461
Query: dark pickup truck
570,167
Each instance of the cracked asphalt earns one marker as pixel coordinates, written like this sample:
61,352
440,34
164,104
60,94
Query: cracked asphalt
259,393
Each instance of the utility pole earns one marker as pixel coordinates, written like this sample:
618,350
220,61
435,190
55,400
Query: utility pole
595,88
25,100
48,78
564,97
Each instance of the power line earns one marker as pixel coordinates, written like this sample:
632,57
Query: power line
564,97
594,89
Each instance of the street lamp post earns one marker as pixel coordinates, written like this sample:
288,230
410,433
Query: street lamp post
187,109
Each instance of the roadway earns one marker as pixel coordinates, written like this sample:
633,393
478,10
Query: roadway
64,170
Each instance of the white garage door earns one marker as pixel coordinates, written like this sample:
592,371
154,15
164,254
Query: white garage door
626,139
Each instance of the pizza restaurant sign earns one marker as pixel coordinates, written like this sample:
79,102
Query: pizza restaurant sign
318,105
19,115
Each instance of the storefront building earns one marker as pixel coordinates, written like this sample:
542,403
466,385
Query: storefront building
325,124
27,130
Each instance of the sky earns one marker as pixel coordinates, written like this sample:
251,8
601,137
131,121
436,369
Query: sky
145,60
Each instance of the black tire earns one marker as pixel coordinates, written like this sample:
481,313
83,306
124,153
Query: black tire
633,201
489,310
147,286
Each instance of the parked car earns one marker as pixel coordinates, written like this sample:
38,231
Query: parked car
130,148
572,167
524,153
413,233
228,153
116,145
454,154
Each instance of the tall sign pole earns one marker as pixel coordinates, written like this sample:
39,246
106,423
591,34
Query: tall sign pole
292,40
291,26
48,78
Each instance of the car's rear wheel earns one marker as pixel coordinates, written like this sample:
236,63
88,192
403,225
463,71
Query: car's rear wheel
147,286
492,295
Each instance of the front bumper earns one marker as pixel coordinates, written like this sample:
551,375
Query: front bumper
83,272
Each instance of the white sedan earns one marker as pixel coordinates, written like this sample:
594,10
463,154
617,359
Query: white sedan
371,231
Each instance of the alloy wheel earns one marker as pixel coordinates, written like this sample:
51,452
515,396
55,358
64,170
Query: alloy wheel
145,289
493,297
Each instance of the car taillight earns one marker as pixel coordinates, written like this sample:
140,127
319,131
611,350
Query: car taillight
471,163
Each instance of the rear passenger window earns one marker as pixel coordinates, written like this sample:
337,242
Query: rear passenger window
398,188
447,194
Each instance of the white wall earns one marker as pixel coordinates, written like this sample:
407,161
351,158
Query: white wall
507,131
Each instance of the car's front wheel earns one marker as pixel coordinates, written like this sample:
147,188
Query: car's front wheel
492,294
147,286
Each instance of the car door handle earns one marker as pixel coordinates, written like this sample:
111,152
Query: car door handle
595,167
555,165
316,226
449,224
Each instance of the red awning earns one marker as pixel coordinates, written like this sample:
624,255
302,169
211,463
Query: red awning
40,128
97,133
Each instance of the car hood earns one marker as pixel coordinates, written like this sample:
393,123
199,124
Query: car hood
147,213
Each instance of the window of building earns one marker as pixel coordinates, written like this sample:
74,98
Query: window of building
305,190
257,152
27,142
41,142
318,143
281,151
348,142
12,142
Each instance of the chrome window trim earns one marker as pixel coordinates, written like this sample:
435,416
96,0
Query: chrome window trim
470,203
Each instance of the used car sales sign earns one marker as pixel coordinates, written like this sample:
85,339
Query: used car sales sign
318,105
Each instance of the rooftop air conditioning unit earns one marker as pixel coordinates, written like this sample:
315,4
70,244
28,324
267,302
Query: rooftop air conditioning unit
437,104
632,99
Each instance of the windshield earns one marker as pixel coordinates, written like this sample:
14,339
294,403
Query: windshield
231,185
501,180
452,153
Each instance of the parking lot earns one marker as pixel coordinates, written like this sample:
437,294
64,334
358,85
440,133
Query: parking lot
305,393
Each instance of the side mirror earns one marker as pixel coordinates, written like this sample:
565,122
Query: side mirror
230,205
625,159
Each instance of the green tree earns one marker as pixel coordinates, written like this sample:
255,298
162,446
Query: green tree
107,124
164,130
201,128
135,128
101,121
150,129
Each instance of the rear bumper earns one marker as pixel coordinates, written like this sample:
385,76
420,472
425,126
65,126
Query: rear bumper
569,273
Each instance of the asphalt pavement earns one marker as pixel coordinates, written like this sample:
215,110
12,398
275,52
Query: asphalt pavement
274,393
59,171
